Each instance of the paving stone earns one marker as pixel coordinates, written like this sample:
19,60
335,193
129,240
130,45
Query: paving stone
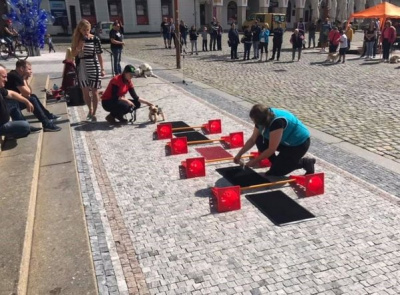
181,247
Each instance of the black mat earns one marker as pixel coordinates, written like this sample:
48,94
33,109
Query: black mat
178,124
279,207
192,135
242,177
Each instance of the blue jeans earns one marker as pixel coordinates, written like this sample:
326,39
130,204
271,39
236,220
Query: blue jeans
370,49
117,52
40,112
16,129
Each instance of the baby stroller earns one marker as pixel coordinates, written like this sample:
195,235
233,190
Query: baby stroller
69,84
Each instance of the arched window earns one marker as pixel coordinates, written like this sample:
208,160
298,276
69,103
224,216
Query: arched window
232,12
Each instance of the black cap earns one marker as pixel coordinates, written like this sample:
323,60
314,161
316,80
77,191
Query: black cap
129,69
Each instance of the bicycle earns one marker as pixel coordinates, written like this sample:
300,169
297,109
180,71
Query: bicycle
18,50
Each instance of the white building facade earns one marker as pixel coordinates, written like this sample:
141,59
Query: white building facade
145,16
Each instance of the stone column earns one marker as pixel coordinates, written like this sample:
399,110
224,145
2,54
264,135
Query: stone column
342,10
241,17
218,4
333,10
315,10
350,8
283,4
218,12
360,5
300,4
374,2
264,5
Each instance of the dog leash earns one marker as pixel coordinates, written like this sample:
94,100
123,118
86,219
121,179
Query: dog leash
133,114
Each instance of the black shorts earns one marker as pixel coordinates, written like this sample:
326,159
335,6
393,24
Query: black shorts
342,51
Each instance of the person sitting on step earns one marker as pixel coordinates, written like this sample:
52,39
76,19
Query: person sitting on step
17,80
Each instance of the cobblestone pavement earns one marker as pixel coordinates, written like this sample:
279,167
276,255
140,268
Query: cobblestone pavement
358,101
152,232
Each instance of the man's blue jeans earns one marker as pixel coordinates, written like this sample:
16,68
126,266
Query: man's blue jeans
16,129
40,112
117,52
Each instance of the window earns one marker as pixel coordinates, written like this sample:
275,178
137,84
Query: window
142,15
115,8
87,11
279,18
87,7
166,8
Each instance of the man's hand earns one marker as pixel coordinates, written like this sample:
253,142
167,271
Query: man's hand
236,159
29,106
251,163
129,102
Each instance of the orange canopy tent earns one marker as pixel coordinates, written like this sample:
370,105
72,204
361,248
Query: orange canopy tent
383,11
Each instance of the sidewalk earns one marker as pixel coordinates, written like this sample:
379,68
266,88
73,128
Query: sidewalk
152,233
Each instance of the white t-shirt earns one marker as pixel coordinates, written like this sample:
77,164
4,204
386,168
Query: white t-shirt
343,41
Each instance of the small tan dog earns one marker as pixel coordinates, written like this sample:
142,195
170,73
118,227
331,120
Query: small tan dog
145,70
155,113
394,59
332,57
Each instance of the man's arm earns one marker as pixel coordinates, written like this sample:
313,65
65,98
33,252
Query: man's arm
18,97
25,90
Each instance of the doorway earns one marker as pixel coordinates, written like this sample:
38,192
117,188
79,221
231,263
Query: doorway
72,13
202,14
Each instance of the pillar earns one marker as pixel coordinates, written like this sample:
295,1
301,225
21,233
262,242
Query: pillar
360,5
218,9
283,4
315,10
264,5
242,5
300,4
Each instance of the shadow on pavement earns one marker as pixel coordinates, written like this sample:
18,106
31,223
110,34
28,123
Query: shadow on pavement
9,144
85,126
370,63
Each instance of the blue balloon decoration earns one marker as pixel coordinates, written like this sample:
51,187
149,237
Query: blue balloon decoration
29,20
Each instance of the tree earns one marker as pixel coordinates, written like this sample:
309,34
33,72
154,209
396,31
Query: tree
30,21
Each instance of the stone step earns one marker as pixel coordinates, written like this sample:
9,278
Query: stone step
19,162
60,248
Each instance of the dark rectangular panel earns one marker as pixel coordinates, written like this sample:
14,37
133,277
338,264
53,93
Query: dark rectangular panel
242,177
192,135
279,207
213,152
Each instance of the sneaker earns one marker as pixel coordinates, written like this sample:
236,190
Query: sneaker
308,165
51,128
93,119
122,119
54,117
34,129
89,117
110,119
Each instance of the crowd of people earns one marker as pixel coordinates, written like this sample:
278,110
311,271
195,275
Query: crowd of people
255,39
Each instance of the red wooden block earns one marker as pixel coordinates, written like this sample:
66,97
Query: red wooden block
178,145
312,184
234,140
264,162
213,126
164,131
194,167
226,198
